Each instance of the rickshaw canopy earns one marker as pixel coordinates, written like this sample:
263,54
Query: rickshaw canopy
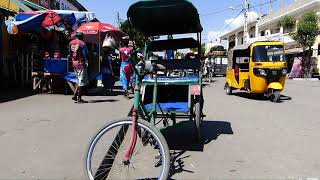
231,52
242,46
172,44
163,17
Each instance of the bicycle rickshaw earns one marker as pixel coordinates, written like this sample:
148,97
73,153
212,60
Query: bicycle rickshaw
135,148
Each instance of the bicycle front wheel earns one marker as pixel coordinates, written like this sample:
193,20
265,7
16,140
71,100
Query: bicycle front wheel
150,159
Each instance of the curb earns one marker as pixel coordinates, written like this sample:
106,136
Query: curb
305,79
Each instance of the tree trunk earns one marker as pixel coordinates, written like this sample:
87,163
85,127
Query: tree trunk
303,60
307,64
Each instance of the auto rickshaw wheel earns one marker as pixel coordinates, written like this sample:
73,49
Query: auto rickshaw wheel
228,89
275,96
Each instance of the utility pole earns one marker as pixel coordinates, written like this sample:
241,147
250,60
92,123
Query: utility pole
118,18
283,3
246,14
271,6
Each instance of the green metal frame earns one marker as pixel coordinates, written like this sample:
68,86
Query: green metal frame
138,103
139,106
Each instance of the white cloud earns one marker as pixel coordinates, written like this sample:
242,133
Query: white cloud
239,21
213,36
229,24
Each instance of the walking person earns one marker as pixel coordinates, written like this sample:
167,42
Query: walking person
79,57
108,47
126,66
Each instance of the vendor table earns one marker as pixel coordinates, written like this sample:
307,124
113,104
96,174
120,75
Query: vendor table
44,79
53,69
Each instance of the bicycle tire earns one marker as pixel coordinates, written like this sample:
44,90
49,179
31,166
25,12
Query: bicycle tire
163,146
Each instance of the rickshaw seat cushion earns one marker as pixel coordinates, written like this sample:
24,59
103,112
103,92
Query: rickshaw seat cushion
179,63
182,107
171,79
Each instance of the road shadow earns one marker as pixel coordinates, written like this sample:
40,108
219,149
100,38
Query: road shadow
177,164
8,95
100,91
285,98
182,136
118,87
102,101
260,97
206,83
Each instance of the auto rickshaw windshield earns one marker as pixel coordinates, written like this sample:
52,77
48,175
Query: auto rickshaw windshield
268,53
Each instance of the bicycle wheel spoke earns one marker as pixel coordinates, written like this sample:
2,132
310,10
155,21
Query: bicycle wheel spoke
114,155
108,155
103,171
115,148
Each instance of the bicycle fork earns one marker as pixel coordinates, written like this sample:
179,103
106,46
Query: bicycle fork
134,129
135,113
134,137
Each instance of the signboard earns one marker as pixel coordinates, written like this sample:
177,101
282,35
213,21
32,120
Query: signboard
45,3
196,90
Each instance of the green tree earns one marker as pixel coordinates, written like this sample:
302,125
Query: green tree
135,35
287,22
203,49
307,31
179,55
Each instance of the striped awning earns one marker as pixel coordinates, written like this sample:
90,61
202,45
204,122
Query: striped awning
26,5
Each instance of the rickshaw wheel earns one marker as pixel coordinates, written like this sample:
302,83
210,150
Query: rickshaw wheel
210,77
228,89
198,120
275,96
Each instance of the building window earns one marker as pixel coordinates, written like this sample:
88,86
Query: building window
251,36
318,49
262,33
275,31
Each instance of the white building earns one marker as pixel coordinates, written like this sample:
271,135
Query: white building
266,28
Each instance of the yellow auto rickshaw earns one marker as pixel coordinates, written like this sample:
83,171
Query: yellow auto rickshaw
258,68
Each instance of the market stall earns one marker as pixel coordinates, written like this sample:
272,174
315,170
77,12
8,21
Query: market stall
95,33
44,53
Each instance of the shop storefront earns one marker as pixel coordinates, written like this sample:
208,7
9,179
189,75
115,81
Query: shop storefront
4,13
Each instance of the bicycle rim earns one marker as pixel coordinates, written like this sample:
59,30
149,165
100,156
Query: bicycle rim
104,161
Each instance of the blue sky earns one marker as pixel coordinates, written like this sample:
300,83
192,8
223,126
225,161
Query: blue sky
214,24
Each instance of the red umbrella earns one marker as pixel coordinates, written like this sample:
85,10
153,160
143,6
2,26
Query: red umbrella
51,19
95,31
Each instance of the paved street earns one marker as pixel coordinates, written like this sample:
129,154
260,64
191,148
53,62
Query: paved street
42,138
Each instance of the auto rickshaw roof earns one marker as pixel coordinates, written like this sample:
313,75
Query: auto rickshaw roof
172,44
163,17
242,46
245,46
